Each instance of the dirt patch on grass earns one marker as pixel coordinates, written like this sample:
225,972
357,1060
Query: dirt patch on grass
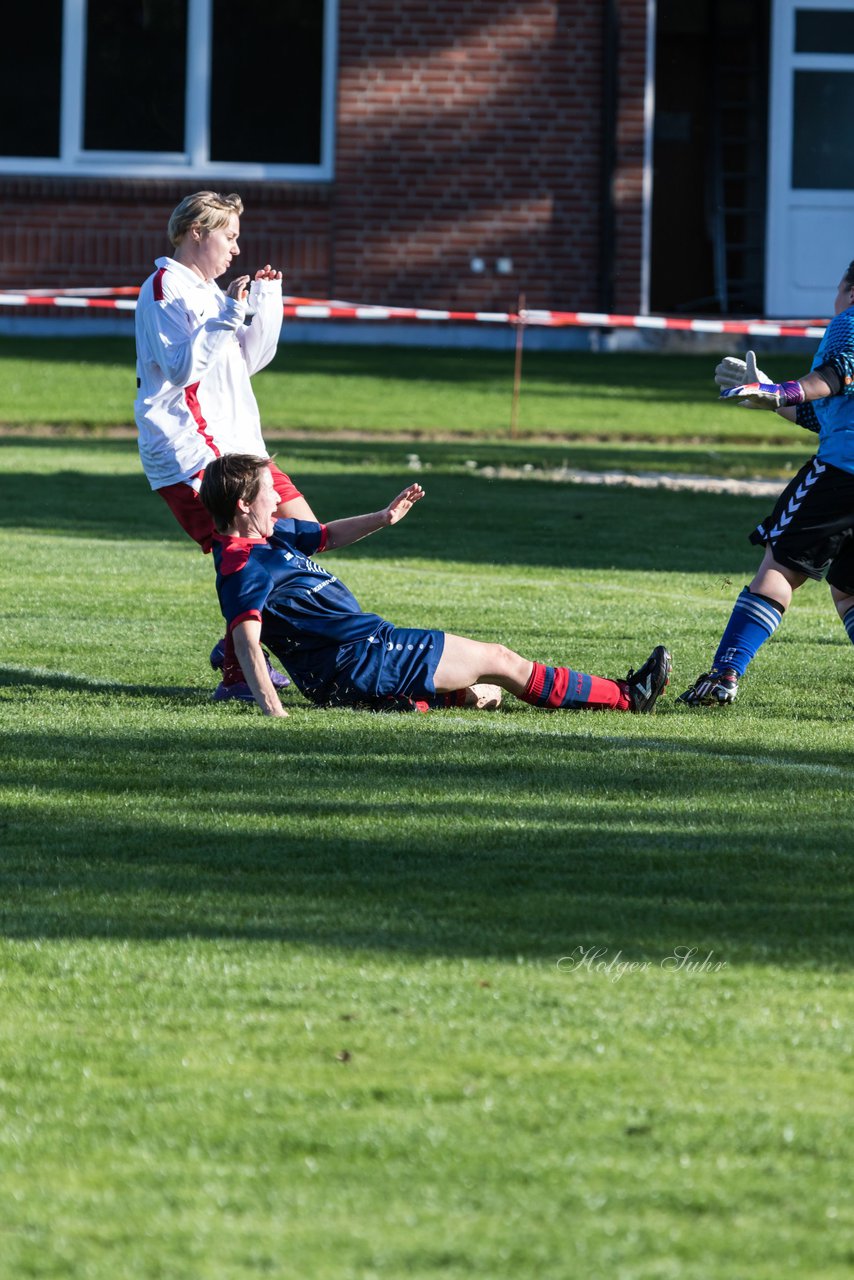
127,431
756,487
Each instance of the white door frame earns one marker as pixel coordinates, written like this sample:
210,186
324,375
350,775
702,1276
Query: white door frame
810,232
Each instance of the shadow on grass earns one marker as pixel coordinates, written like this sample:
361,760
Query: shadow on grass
678,376
469,517
36,678
468,839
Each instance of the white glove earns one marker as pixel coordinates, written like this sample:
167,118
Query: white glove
732,372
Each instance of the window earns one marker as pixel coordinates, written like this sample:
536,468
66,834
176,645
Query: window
824,31
135,54
30,65
162,88
822,150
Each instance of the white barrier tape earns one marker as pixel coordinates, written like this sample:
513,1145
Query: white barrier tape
122,299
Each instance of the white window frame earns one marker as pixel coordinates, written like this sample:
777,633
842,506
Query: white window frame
74,161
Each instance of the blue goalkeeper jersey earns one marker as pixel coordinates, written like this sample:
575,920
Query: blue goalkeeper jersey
300,605
833,416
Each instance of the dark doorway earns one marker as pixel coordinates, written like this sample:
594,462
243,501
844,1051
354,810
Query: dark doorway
710,156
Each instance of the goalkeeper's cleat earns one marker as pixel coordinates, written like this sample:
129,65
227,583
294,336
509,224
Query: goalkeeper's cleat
643,688
217,661
714,689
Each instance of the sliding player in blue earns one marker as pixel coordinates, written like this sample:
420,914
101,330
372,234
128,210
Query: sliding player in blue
810,532
271,591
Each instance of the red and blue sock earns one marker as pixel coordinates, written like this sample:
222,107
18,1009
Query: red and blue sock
560,687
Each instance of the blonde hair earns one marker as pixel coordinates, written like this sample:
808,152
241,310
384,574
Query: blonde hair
207,210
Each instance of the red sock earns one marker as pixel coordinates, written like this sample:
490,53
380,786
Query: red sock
561,687
455,699
232,672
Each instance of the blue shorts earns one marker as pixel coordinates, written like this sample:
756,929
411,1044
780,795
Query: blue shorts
392,663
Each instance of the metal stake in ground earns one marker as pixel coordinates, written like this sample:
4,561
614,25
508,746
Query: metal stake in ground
520,322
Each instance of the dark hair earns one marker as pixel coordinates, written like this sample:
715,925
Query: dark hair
226,481
849,275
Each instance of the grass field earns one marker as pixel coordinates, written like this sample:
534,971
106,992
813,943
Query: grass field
377,390
507,996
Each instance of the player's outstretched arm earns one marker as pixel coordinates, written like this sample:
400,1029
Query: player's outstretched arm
732,372
342,533
247,646
758,393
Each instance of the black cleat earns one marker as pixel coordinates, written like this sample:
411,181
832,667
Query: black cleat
714,689
645,687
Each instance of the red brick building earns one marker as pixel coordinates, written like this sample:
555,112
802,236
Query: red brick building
464,130
593,154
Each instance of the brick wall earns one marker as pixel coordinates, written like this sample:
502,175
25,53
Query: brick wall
468,130
463,130
65,233
628,170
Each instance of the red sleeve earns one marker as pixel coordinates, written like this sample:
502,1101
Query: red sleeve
248,616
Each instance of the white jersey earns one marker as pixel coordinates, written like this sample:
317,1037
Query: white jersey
194,357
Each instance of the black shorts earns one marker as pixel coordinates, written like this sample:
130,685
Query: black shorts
811,528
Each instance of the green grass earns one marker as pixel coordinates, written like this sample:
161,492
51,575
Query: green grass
304,999
414,390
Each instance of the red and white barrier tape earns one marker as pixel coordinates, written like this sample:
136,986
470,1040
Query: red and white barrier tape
123,299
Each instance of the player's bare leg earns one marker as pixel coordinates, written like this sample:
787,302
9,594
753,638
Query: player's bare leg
842,600
465,663
776,581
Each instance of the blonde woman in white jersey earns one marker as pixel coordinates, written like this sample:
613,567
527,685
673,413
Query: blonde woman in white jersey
197,348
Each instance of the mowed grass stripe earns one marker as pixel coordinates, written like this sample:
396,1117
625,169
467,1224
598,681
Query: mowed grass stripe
285,998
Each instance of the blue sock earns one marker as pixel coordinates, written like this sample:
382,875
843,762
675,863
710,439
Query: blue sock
848,623
753,620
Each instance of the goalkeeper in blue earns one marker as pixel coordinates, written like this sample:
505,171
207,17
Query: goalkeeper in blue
272,591
810,532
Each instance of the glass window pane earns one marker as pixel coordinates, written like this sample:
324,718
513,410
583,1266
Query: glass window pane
822,144
267,79
136,54
30,78
824,31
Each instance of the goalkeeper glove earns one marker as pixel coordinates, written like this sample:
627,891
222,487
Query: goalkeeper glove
732,372
765,395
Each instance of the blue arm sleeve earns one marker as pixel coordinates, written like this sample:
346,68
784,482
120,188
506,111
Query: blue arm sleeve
244,592
302,535
837,352
806,417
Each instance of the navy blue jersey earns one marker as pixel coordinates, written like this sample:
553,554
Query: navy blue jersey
300,605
